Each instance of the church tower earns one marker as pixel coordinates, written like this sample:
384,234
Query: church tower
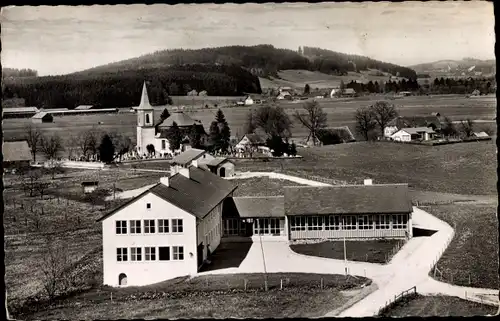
145,123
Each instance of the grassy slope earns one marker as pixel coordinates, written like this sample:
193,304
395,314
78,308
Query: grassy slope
221,296
474,250
444,306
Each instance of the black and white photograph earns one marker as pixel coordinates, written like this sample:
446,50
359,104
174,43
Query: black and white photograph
250,160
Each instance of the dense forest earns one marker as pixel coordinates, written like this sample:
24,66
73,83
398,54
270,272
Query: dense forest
13,72
123,88
261,60
327,61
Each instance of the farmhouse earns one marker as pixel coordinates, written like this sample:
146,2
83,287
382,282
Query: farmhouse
149,134
16,155
221,166
400,122
349,92
89,187
284,95
42,117
166,232
411,134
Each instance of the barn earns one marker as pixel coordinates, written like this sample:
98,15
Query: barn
42,117
16,155
221,166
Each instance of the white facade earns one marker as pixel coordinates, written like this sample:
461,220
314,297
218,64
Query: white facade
389,130
401,136
147,272
249,101
209,231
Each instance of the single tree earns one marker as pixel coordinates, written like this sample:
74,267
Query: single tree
383,112
307,89
466,127
214,136
448,128
293,149
30,182
173,89
194,135
174,137
277,145
54,267
150,149
106,149
313,119
224,131
164,114
122,144
273,121
365,122
250,123
88,142
33,137
51,146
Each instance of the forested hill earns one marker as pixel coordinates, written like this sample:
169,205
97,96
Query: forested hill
122,88
261,60
324,60
15,73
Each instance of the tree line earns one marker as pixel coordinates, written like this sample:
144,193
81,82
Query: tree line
123,88
261,60
14,72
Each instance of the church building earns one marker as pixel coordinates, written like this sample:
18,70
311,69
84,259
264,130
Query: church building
151,133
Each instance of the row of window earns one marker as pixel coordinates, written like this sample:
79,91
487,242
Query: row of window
348,222
135,226
150,253
267,226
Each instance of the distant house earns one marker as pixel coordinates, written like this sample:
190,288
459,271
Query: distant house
405,93
349,92
250,141
19,112
203,93
436,114
221,166
480,134
401,122
248,101
42,117
185,159
192,93
84,107
89,186
411,134
334,92
476,92
16,154
284,95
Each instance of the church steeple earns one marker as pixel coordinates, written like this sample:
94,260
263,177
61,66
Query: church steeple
144,98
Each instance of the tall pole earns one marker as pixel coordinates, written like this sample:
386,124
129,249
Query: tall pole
345,257
263,257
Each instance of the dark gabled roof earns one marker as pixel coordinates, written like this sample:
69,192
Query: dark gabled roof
94,183
217,161
197,195
254,206
415,121
256,138
344,133
16,151
180,118
347,199
188,156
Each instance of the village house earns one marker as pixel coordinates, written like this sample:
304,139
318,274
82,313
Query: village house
413,133
220,166
42,117
16,155
250,142
89,186
248,101
167,231
400,122
186,158
284,95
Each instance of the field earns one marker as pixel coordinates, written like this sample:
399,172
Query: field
473,253
440,306
378,251
340,113
215,296
299,78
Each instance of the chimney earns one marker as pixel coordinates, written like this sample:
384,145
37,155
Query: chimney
165,180
368,181
184,172
195,163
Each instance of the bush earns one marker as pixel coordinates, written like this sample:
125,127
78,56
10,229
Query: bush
329,137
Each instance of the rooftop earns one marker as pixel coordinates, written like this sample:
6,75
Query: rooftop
20,110
188,156
180,118
16,151
217,161
416,130
347,199
40,115
84,107
415,121
254,206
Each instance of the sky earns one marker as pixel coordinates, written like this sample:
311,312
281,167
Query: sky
64,39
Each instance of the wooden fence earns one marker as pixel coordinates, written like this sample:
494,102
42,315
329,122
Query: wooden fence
411,292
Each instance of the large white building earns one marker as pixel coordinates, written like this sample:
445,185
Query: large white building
151,133
166,232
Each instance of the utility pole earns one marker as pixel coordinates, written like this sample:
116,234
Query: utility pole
345,257
263,260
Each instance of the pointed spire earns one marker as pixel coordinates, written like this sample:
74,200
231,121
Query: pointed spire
144,98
